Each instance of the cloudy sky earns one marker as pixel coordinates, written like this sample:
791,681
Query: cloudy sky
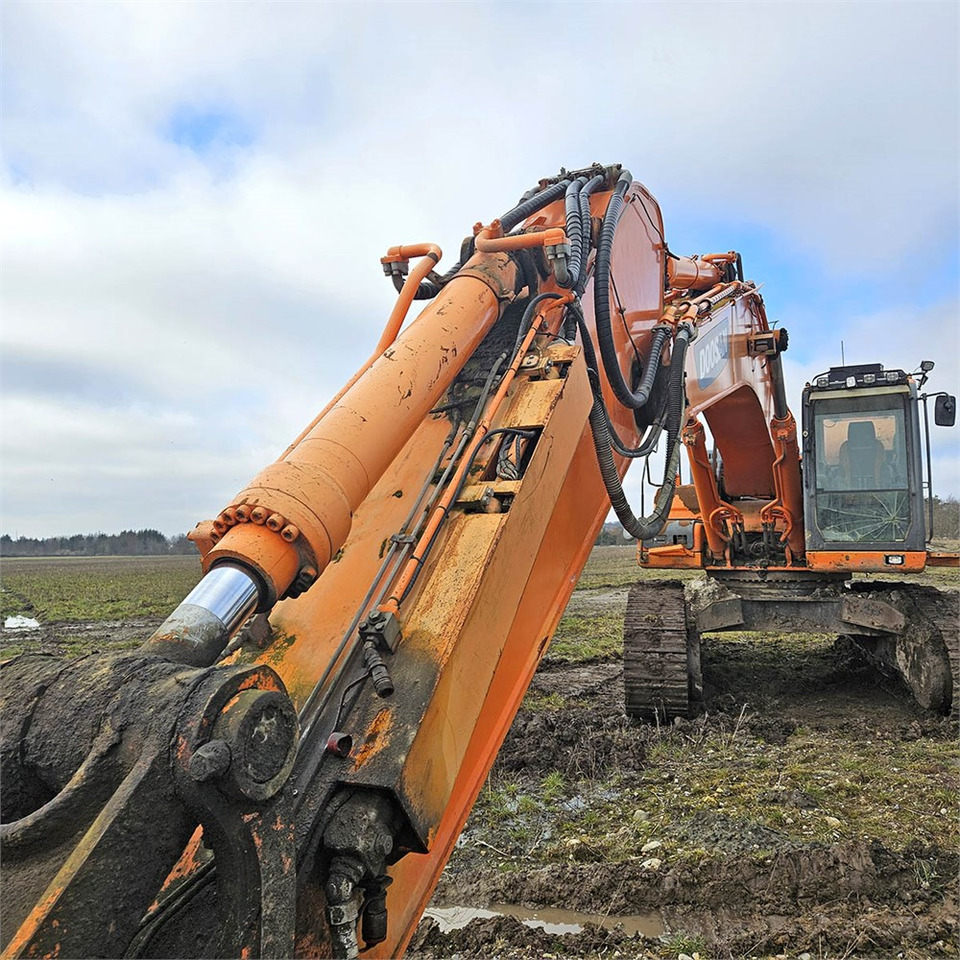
195,197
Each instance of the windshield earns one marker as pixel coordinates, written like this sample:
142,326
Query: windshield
861,468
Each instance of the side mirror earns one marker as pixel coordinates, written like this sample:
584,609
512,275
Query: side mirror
945,411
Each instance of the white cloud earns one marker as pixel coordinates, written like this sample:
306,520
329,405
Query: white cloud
237,288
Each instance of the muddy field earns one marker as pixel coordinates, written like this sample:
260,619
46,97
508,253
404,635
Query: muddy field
812,810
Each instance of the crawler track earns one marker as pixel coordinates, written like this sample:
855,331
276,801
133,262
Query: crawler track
942,608
660,663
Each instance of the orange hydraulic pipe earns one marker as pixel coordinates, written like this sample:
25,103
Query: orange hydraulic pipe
324,478
685,273
491,239
392,604
432,254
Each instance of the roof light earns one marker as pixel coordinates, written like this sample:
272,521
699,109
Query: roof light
869,378
892,376
851,381
823,381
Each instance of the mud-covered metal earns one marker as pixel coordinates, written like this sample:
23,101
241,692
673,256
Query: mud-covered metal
101,793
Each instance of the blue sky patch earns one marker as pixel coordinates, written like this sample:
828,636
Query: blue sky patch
205,129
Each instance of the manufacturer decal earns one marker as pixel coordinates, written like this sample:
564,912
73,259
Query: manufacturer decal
711,352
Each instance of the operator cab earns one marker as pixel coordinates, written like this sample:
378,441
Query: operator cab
863,481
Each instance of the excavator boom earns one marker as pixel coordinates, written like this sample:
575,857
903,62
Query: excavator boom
285,765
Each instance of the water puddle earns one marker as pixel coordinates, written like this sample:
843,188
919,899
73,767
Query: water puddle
548,919
21,623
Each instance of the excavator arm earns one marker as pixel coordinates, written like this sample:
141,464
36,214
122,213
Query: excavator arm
752,511
283,768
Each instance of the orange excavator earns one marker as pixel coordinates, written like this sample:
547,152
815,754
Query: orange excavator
283,768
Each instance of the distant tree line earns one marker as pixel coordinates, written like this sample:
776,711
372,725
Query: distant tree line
946,518
611,535
127,543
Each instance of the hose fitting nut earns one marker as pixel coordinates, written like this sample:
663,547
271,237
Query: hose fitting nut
558,254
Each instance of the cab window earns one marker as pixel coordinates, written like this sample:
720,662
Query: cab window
861,470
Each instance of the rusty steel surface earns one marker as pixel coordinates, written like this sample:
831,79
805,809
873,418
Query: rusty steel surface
943,559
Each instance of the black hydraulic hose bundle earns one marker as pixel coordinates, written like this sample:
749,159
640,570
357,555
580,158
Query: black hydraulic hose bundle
647,444
601,298
529,207
643,528
586,226
573,228
578,228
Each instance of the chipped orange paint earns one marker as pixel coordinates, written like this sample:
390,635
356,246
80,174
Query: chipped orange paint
376,738
187,863
442,508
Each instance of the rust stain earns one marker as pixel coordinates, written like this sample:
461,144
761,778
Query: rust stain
377,737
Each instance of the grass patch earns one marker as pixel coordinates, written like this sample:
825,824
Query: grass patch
53,589
580,637
540,702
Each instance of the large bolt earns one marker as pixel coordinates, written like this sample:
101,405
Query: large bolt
211,760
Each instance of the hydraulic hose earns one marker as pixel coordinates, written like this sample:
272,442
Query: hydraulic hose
649,441
586,225
601,296
434,283
529,313
529,207
573,228
430,287
643,528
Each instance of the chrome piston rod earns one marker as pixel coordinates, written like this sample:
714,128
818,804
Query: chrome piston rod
199,629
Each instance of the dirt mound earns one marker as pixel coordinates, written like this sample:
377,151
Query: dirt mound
579,742
917,931
790,874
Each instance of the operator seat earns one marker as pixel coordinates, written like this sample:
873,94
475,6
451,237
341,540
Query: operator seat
862,457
